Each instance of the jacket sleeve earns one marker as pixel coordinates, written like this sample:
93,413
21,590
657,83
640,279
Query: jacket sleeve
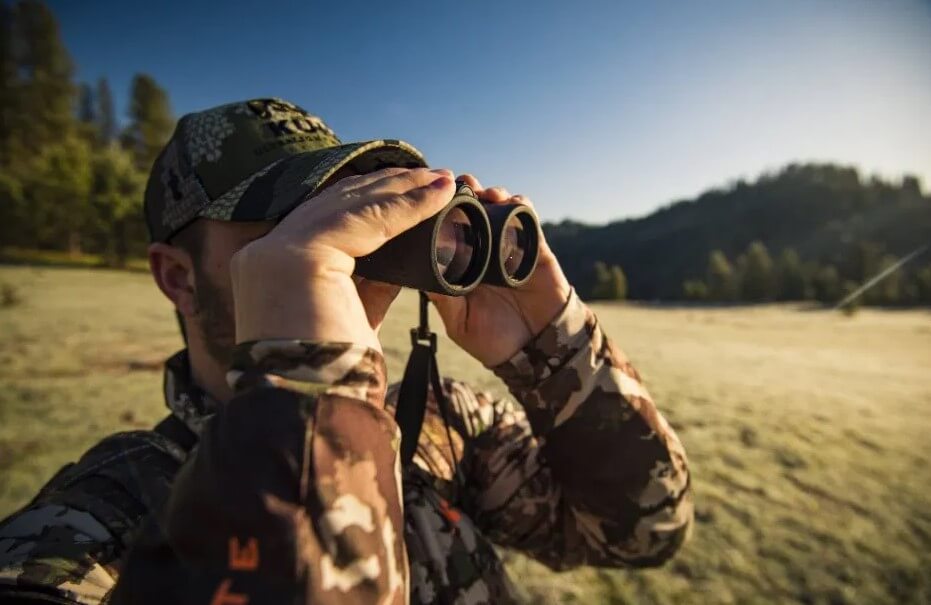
585,470
292,495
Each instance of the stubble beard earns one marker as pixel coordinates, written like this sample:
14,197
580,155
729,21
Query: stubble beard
214,316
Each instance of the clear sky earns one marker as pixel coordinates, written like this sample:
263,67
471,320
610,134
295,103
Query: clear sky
597,110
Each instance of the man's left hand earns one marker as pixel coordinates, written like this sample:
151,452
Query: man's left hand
493,323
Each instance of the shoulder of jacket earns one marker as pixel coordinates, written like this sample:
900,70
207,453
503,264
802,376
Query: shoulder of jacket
118,481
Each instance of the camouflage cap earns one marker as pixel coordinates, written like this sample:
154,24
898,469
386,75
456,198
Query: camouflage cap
250,161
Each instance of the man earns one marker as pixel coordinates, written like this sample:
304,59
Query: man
276,478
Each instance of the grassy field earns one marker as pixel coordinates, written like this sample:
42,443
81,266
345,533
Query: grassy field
809,433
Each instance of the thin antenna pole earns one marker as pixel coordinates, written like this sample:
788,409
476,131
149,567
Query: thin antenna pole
879,277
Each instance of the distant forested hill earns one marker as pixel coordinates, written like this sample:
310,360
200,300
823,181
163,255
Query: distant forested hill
829,215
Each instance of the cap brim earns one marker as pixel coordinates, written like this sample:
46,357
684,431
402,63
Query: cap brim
279,187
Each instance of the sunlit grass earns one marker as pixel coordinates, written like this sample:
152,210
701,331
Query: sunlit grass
807,431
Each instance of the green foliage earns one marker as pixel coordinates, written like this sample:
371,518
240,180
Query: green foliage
42,91
116,199
60,179
923,284
756,274
610,282
792,281
756,278
695,289
827,285
65,183
12,206
889,291
151,122
722,280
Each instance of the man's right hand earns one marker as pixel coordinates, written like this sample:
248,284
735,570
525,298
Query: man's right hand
295,282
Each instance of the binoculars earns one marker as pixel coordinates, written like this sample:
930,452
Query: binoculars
465,244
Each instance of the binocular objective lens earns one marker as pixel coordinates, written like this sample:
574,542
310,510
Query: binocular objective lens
514,243
455,245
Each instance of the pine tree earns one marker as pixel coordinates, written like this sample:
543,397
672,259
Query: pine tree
46,95
116,199
12,209
695,289
756,277
618,283
610,282
793,284
721,279
923,284
58,187
827,284
38,131
151,121
602,276
889,291
106,113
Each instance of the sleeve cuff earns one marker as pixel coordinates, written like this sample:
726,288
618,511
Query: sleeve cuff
339,368
552,348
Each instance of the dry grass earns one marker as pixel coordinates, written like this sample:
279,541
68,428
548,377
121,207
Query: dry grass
807,431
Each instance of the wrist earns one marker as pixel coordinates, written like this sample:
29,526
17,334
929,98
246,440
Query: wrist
548,350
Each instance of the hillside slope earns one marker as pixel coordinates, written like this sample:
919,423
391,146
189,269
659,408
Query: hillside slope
824,212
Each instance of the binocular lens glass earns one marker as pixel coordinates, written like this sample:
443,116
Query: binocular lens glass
514,243
455,245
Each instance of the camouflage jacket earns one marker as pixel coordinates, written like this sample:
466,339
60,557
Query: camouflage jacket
294,492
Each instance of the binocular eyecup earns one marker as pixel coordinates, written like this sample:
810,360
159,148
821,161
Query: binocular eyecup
465,244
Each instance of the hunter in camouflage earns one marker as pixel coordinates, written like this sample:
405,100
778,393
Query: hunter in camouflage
292,491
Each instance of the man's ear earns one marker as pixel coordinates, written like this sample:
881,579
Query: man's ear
173,270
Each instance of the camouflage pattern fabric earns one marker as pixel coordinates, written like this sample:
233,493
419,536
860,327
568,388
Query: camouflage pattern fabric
294,493
253,160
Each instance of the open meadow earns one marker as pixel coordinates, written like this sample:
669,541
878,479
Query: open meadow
808,432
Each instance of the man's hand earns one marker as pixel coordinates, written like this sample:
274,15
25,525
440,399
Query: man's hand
492,323
296,281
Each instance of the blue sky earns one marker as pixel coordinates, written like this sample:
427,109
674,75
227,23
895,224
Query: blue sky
596,110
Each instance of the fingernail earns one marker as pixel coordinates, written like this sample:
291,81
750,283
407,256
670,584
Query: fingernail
441,183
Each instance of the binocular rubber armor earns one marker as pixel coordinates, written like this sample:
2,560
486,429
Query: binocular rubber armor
465,244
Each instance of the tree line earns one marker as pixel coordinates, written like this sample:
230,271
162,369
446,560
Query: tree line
755,277
71,177
803,232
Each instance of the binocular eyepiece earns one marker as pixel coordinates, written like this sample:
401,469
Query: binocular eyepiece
465,244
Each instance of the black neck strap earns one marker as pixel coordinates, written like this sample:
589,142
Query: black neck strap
420,375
